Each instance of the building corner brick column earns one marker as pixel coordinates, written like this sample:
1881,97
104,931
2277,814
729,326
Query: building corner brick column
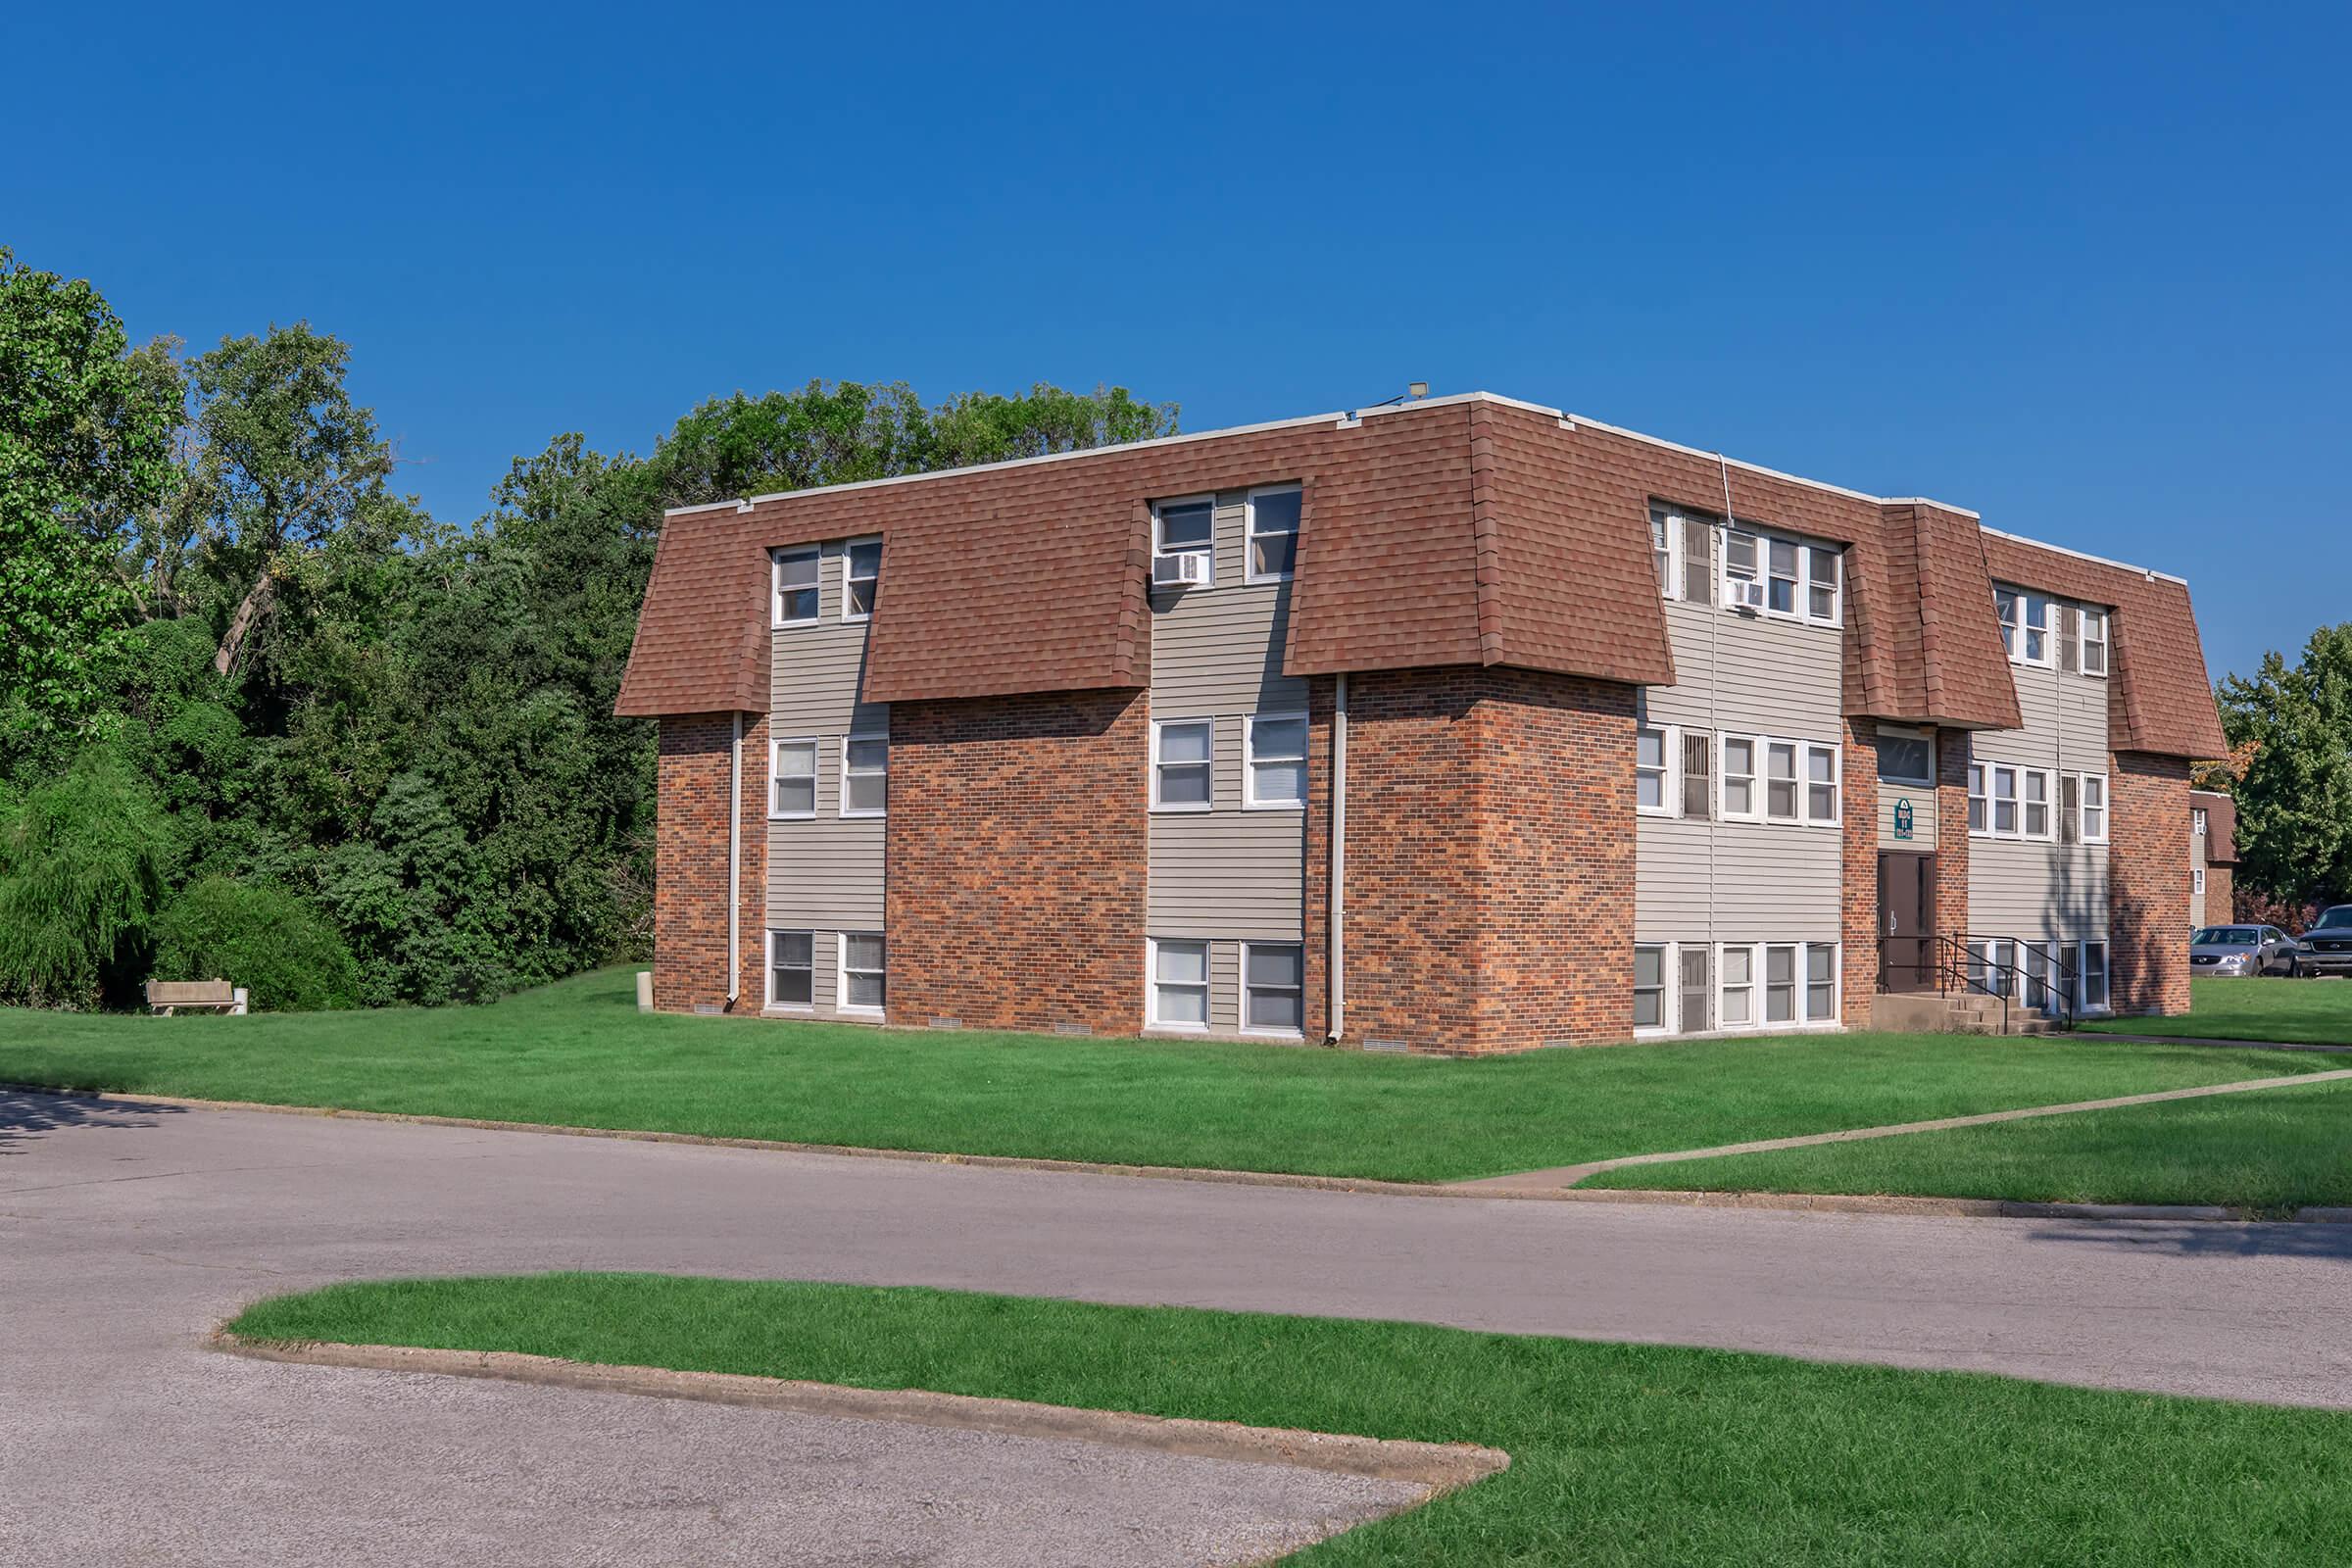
1019,856
1490,827
1951,833
1858,892
690,864
2150,846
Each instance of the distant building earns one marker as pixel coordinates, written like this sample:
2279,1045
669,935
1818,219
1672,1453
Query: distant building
2212,858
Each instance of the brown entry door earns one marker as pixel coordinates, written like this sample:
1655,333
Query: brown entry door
1907,921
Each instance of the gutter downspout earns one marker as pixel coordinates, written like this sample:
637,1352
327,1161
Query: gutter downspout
735,862
1336,926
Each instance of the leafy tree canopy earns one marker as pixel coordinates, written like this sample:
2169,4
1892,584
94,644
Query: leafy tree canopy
2292,725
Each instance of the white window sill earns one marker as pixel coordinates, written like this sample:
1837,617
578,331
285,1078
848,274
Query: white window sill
1157,1027
1274,806
789,1009
871,1013
1182,811
1260,582
789,625
862,816
791,817
1271,1034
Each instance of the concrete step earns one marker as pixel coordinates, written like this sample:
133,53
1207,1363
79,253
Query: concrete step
1954,1013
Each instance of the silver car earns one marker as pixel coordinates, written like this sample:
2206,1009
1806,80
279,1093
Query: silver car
2241,949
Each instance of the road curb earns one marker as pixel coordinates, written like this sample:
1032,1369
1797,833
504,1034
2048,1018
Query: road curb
1441,1467
1796,1202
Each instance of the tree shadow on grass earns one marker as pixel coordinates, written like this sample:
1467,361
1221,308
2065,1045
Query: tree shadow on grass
25,1115
2206,1238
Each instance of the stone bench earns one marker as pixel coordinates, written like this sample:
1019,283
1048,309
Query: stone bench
167,996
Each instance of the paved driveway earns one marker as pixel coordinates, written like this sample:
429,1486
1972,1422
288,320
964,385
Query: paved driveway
125,1234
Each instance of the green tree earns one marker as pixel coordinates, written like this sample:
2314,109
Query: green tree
2294,803
84,864
274,943
86,433
986,427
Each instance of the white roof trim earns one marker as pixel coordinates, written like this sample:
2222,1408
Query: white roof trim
2084,555
1350,419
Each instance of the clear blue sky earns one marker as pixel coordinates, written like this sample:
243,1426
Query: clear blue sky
2084,273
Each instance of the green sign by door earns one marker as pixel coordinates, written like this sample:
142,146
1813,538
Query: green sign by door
1902,819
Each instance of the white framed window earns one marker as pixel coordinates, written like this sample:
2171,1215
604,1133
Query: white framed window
1821,982
2094,808
2025,625
1273,532
1979,803
1179,983
791,969
1988,967
2090,971
792,779
1181,749
1823,571
793,575
1780,563
1695,992
1649,989
1736,995
1277,760
1273,988
865,776
864,972
1697,789
2197,820
2095,641
1741,802
2004,801
1665,546
2034,967
2196,875
1186,526
863,579
1780,781
2035,782
1738,556
1821,785
1652,775
1780,1000
1906,757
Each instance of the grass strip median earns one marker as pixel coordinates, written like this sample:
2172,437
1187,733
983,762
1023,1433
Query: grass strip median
1620,1455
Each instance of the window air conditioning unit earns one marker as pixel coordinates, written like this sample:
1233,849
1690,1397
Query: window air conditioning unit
1741,593
1185,570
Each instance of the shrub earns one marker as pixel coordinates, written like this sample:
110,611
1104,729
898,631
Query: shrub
269,941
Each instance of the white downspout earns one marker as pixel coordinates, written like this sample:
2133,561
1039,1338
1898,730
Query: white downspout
1336,927
735,862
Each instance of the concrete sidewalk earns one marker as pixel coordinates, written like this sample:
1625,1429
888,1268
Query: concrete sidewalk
1569,1175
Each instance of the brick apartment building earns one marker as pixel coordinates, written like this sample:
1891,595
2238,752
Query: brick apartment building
1463,725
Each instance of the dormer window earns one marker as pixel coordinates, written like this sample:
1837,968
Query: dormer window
2024,624
1186,527
863,578
795,576
1273,532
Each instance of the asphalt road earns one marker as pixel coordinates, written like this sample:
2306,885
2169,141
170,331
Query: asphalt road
126,1234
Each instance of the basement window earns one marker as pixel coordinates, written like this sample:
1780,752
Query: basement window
1649,987
1273,988
791,968
1179,985
864,973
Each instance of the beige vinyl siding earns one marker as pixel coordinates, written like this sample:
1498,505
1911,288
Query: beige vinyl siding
827,873
1922,816
2033,888
1227,874
1762,881
1773,677
1770,882
2196,903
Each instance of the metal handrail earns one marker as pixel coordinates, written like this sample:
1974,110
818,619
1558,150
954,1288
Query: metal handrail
1953,962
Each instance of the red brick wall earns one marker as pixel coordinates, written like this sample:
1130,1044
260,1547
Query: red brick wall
2221,893
1951,833
1858,909
1489,859
1018,859
2149,883
690,864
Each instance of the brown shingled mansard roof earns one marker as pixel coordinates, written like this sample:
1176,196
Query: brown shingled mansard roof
1467,530
2158,697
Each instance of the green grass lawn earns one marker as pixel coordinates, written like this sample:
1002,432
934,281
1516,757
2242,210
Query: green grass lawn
2316,1012
1620,1455
2269,1152
579,1054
